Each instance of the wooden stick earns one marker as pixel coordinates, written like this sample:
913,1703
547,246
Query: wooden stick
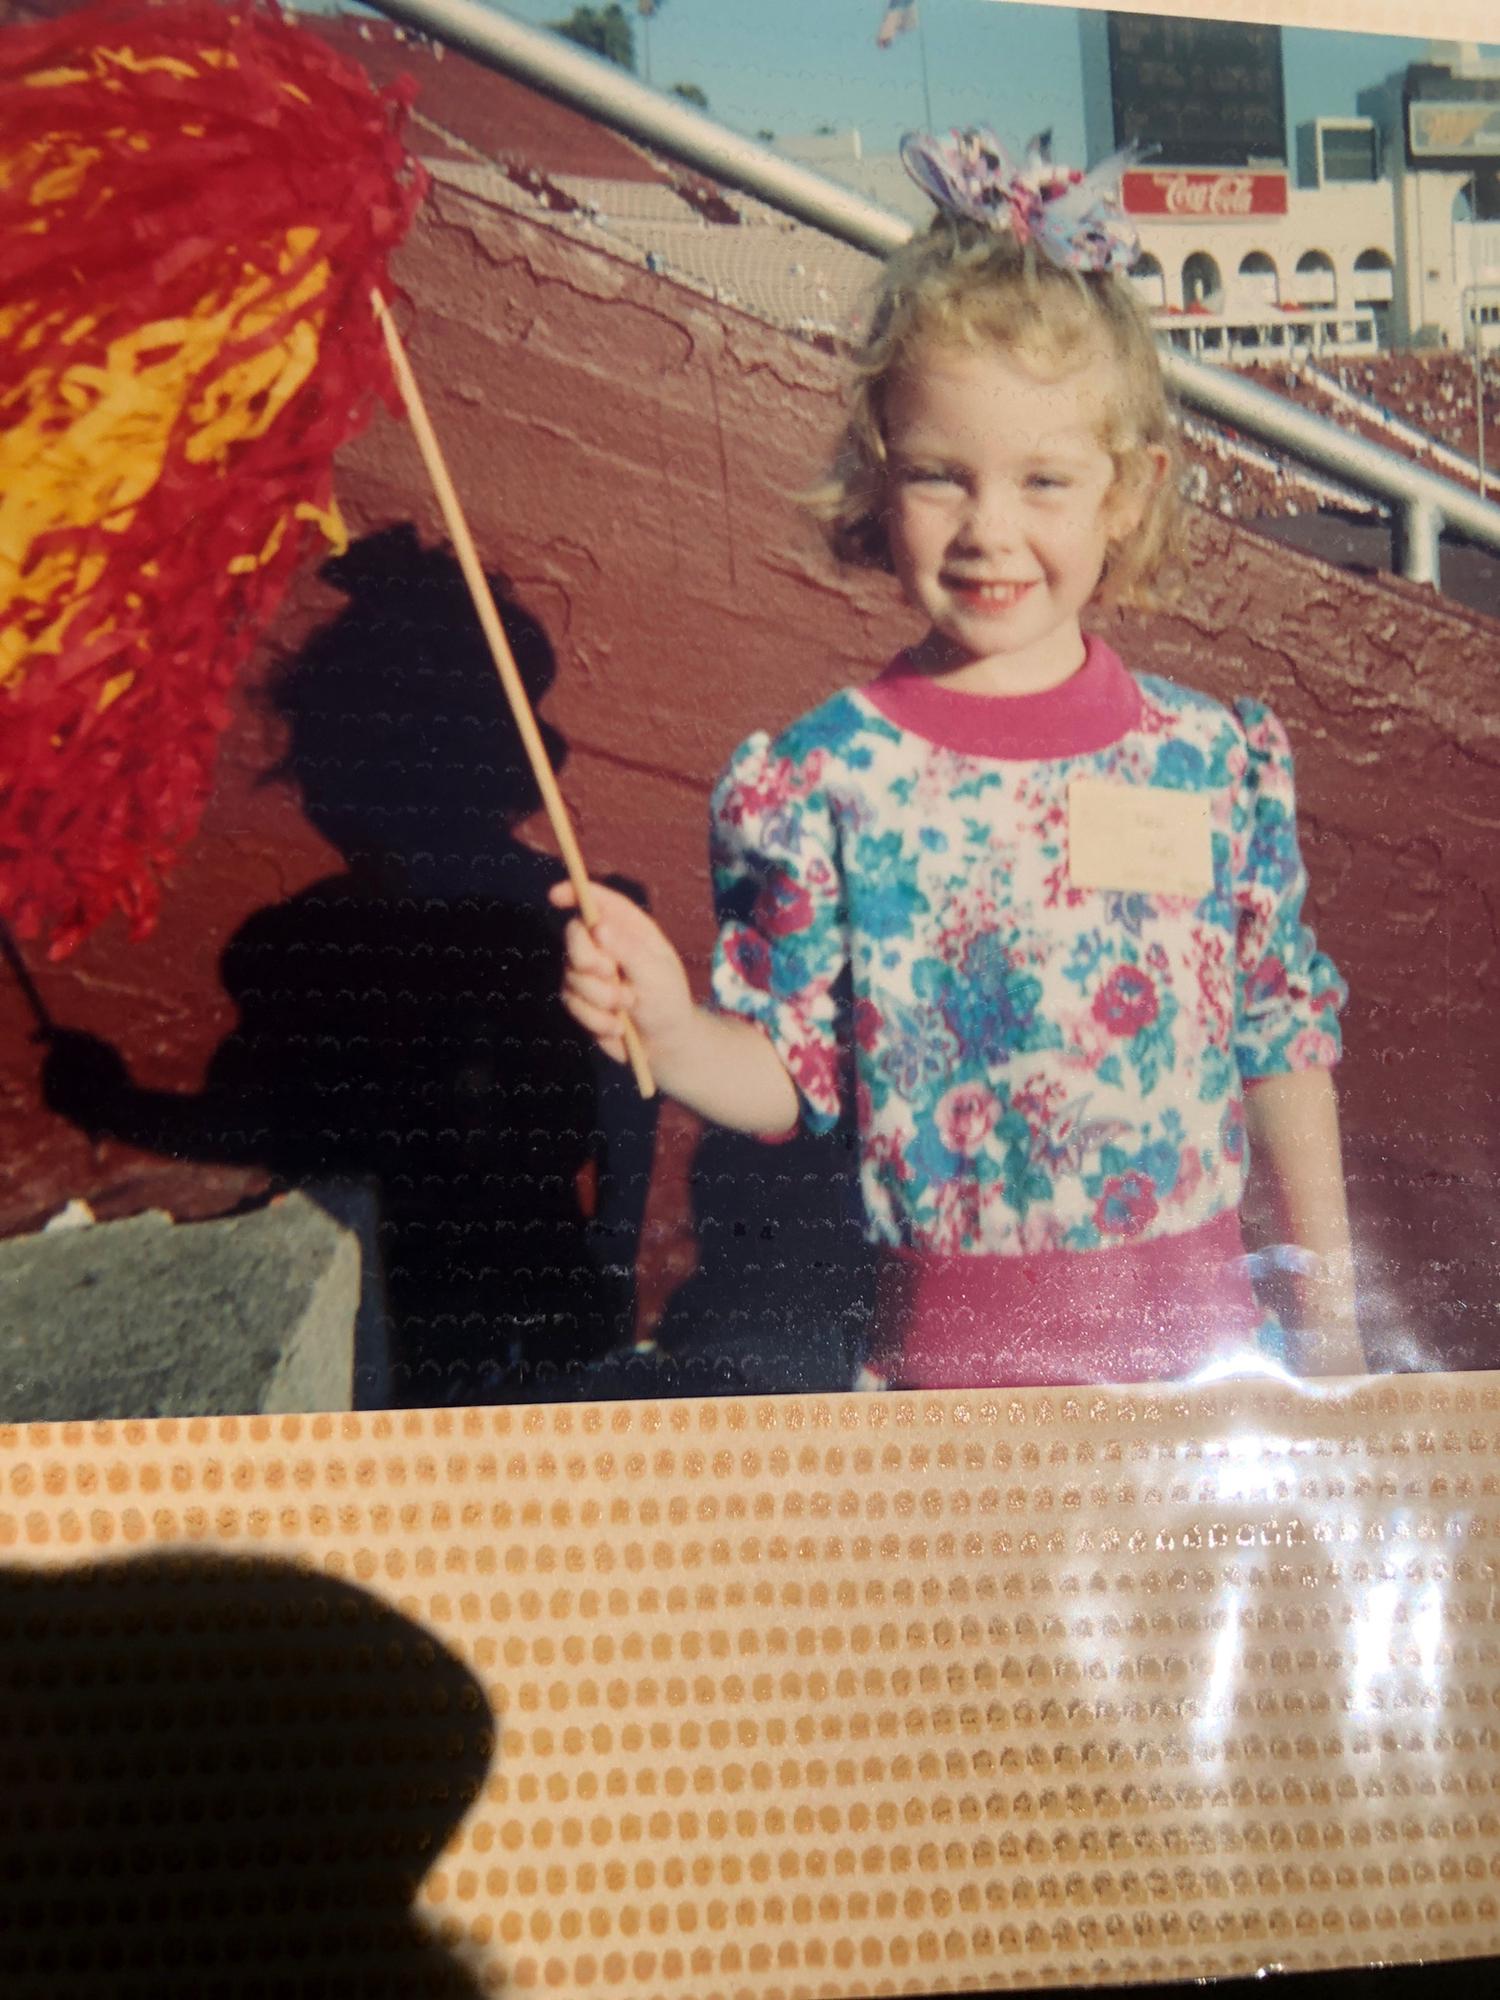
494,631
10,951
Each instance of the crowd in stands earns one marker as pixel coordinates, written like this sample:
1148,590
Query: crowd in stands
1418,404
1400,400
1244,480
1435,392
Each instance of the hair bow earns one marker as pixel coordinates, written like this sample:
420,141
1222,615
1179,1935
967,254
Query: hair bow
1074,217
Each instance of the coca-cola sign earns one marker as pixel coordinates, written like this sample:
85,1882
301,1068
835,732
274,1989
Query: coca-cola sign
1185,196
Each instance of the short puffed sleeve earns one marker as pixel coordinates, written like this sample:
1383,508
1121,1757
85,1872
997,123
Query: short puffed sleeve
1289,994
778,895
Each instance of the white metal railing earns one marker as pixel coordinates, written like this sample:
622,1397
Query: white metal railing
1397,425
1424,503
1243,338
1242,451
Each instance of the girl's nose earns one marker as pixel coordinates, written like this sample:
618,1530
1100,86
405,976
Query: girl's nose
990,521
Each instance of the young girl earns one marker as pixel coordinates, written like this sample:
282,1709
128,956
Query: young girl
1039,917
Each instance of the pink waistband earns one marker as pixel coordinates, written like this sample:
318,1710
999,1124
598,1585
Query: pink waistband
1139,1312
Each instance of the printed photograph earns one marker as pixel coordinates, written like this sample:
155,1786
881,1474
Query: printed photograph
743,700
703,705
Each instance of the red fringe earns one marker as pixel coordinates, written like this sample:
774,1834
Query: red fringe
96,806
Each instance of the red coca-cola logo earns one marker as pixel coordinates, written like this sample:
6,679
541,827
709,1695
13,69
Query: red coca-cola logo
1187,195
1231,194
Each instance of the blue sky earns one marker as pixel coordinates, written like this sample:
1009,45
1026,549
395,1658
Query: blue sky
791,65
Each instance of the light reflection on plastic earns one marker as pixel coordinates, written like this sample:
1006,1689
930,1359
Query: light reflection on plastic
1372,1647
1217,1701
1247,1364
1427,1632
1257,1469
1244,1364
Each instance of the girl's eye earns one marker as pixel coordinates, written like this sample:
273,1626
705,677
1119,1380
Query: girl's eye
1049,482
927,475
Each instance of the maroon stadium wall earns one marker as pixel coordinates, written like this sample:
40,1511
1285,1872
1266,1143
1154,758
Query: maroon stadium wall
628,451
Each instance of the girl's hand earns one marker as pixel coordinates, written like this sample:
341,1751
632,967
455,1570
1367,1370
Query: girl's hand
626,965
723,1068
1294,1136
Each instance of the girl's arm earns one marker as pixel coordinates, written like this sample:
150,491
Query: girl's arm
719,1066
1293,1124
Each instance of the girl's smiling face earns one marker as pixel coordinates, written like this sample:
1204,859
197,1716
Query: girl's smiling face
1002,501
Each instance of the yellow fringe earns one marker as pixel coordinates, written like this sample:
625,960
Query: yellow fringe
90,443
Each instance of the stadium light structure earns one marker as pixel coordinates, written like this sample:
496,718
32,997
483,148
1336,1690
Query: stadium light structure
1471,304
1470,307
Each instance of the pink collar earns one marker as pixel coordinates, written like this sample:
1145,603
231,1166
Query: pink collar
1090,710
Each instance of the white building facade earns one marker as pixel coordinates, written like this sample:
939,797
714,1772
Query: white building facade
1440,122
1384,230
1310,268
1353,245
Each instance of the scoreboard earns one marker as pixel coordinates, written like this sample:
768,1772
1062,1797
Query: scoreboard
1198,93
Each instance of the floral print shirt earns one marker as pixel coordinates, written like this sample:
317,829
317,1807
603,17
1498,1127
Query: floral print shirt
1032,1065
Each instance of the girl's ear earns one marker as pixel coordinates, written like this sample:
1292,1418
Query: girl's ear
1136,486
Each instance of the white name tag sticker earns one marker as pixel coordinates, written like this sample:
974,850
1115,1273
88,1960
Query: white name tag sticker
1139,837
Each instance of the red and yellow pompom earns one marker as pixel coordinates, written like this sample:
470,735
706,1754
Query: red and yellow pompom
195,204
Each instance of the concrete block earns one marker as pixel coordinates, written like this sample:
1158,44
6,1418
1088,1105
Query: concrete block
150,1318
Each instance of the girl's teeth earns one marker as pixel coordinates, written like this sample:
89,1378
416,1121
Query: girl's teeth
1001,593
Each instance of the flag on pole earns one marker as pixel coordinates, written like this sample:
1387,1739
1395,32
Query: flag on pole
899,18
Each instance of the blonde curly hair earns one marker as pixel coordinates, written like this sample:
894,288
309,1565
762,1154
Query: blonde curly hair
963,285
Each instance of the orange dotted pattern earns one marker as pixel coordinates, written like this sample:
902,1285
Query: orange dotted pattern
890,1694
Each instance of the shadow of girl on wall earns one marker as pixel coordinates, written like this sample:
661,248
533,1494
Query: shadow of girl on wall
399,1028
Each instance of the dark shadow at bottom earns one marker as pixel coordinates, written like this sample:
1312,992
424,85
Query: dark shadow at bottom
228,1777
